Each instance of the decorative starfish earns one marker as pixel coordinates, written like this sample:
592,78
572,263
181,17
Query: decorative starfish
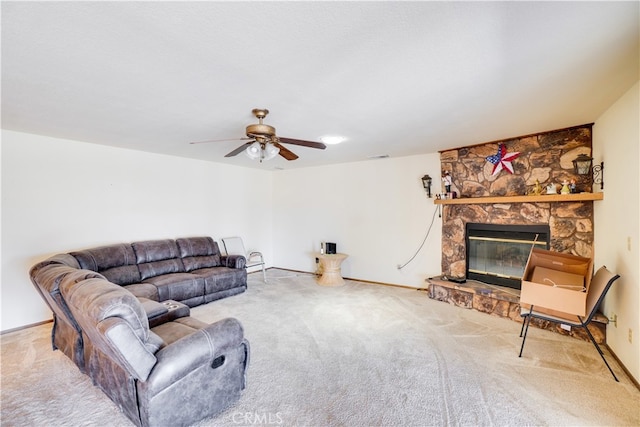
502,160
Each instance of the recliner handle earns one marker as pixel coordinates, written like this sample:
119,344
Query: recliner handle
218,361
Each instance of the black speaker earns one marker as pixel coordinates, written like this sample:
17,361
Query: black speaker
330,248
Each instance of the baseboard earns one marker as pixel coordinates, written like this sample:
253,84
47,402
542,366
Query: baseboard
354,279
20,328
384,284
624,368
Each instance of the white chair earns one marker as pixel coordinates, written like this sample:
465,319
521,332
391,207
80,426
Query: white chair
234,246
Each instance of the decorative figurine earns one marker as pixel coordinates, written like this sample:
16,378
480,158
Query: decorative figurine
446,180
565,187
572,186
537,189
551,188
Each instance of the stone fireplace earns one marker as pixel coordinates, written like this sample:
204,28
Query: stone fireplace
505,200
545,158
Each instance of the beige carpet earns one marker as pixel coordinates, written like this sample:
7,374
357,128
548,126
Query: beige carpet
358,355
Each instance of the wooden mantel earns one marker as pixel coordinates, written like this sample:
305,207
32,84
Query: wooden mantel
545,198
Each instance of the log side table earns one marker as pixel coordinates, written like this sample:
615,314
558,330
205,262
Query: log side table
330,267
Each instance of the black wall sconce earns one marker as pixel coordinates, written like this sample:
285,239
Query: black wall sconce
426,183
582,166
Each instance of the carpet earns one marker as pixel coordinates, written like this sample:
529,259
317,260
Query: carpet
357,355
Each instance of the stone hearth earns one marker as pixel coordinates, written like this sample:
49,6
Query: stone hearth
503,302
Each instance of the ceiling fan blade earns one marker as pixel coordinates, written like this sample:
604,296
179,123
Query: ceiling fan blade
240,149
286,153
303,143
220,140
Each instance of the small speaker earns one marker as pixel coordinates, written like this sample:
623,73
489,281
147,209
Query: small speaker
330,248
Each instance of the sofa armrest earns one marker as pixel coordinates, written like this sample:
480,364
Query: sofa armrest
233,261
203,347
153,308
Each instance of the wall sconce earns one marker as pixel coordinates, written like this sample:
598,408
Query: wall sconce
426,183
582,166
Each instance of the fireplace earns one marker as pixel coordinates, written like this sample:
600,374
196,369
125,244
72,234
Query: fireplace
498,253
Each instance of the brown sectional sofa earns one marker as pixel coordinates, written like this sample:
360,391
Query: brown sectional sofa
188,270
121,314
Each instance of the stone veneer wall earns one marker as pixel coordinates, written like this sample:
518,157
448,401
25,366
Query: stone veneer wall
546,157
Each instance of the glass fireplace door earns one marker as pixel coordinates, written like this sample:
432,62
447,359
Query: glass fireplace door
499,255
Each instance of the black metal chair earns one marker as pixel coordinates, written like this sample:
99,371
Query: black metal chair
600,284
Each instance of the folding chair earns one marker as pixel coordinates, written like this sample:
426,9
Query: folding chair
600,284
234,246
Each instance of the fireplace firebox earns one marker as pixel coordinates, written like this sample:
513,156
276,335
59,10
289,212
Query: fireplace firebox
498,254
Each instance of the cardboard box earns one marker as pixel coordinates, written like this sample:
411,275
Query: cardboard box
556,283
558,278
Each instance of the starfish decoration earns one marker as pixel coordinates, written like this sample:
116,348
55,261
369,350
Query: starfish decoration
502,160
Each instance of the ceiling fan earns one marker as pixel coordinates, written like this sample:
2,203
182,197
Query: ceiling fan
262,142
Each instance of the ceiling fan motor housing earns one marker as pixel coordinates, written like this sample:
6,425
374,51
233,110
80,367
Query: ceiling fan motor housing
261,130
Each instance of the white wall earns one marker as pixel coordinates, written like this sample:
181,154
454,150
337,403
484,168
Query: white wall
376,211
616,138
60,195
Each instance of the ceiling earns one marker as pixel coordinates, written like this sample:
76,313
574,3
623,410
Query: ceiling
395,78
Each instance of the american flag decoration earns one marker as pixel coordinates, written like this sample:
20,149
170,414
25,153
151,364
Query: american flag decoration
502,160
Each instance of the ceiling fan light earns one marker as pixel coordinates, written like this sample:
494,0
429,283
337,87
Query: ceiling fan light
254,151
270,151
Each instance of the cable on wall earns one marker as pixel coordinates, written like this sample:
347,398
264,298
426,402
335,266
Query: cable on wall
400,267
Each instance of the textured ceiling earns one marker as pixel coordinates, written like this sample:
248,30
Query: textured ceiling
395,78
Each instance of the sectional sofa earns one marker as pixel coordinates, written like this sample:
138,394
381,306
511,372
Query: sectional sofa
122,315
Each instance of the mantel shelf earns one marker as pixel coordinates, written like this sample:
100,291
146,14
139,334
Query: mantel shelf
545,198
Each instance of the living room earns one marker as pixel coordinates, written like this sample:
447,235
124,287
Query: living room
61,194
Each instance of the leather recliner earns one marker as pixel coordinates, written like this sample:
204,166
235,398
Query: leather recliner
188,270
176,373
115,316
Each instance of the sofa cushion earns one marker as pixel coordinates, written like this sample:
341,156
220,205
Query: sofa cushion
218,279
157,257
143,290
98,299
50,276
171,332
115,262
177,286
198,252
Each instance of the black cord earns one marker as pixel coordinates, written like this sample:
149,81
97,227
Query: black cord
400,267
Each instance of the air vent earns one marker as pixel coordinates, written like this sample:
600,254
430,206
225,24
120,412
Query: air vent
380,156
